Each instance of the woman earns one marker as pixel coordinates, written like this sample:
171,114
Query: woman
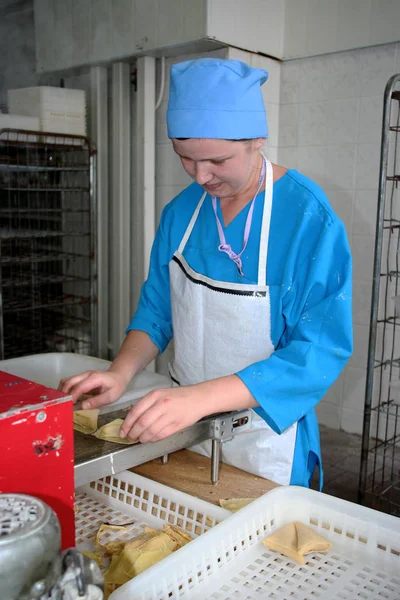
250,274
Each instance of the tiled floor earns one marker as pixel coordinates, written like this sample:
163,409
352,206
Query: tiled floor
341,456
341,453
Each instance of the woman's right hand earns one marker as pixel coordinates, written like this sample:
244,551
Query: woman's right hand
106,387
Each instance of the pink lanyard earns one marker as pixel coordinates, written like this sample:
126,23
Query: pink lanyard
224,247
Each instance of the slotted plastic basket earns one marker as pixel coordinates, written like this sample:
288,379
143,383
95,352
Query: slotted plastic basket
230,561
135,501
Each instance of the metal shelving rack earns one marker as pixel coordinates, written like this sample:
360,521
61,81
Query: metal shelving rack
379,484
47,244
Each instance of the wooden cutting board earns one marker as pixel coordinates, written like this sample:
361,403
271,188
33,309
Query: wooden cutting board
191,473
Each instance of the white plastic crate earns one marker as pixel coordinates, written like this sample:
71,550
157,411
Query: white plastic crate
49,369
8,121
131,498
60,110
230,561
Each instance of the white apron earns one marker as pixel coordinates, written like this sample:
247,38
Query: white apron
220,328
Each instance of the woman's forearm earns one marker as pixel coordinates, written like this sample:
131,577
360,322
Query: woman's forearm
225,394
136,353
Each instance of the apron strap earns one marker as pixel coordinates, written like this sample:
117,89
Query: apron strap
191,224
265,224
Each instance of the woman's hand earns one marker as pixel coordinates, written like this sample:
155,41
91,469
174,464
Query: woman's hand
162,413
135,354
107,386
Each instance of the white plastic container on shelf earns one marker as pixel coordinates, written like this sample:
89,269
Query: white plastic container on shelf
8,121
59,110
49,369
230,561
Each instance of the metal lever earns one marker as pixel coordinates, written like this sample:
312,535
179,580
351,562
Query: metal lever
222,429
215,458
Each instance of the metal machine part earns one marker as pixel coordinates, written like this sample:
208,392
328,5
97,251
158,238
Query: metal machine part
30,542
95,458
223,428
31,564
81,579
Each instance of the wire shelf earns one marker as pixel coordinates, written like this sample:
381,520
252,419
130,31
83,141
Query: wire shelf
17,234
45,189
46,255
12,168
47,243
380,463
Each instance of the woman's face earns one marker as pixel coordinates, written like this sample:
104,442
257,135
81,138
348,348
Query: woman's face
222,167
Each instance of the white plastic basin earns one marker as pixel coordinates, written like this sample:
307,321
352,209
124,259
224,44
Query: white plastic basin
49,369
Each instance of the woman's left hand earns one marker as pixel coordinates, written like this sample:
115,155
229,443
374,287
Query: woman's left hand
162,413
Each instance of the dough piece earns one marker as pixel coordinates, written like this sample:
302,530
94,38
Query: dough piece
85,421
235,504
132,557
142,539
138,555
180,537
295,540
110,433
108,589
112,546
151,530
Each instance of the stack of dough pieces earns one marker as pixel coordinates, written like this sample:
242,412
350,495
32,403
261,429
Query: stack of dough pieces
295,540
138,554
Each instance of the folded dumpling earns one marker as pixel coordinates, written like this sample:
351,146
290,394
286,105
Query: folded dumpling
85,421
295,540
110,433
235,504
177,535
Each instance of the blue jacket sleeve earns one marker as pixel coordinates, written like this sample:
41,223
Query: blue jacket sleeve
317,339
153,314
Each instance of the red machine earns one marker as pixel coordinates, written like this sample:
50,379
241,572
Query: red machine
37,447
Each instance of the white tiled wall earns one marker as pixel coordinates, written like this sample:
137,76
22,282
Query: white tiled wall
330,126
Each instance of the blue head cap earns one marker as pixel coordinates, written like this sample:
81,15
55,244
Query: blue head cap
216,98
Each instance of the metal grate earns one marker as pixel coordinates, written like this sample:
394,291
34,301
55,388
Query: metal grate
18,513
380,463
47,244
